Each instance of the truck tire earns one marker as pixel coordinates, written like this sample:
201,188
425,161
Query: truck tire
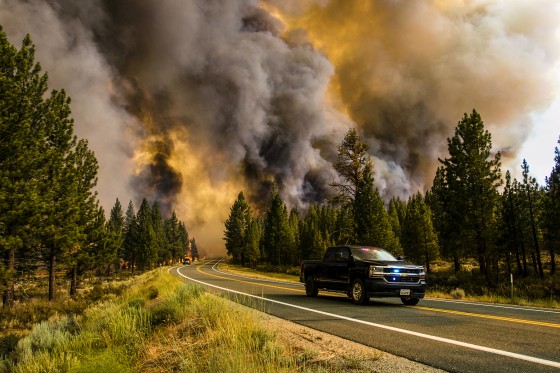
310,288
358,292
410,301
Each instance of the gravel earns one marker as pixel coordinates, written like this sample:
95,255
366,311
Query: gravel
326,352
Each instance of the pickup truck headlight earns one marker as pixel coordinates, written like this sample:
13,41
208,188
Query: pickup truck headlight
422,274
375,271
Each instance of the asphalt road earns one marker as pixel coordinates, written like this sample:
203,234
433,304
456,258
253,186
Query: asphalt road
455,336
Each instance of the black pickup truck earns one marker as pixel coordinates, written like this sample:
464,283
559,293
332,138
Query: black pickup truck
362,273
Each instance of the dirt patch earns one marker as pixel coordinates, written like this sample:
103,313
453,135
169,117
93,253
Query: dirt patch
335,354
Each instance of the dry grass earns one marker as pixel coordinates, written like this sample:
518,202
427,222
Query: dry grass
159,324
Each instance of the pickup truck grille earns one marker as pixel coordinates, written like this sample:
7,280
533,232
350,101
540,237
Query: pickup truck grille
401,270
399,278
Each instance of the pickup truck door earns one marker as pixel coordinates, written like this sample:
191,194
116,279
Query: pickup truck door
343,262
326,271
334,268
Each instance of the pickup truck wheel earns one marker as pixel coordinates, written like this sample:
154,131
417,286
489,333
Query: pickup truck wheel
310,288
410,301
358,292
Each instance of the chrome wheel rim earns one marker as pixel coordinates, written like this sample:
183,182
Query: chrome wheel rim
357,291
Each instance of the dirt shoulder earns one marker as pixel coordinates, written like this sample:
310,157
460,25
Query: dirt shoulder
335,354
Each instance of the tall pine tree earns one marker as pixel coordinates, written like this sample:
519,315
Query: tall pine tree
471,177
23,131
237,225
552,210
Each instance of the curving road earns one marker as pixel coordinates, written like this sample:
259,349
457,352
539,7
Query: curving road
451,335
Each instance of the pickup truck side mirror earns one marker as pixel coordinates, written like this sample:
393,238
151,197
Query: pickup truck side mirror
400,258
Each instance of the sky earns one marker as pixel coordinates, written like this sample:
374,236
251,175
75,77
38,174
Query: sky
191,102
539,146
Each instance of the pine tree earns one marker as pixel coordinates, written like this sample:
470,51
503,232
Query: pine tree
293,237
446,220
372,223
471,178
173,237
194,249
552,210
184,240
511,237
252,242
419,239
115,233
91,237
344,226
312,238
147,239
23,132
236,229
530,198
131,238
352,160
397,213
276,239
161,247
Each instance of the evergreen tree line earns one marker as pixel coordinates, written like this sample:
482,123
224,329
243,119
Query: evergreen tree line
468,216
144,239
50,216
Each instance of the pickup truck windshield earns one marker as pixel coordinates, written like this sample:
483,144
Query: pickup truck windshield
367,253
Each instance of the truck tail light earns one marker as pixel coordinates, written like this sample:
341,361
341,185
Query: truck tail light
375,271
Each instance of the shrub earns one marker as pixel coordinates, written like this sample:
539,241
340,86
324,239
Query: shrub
458,293
153,292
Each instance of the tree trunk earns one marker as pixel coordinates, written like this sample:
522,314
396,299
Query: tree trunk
74,281
427,262
524,256
8,296
535,239
52,268
456,263
534,261
552,260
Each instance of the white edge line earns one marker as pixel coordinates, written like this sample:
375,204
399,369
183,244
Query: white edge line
398,330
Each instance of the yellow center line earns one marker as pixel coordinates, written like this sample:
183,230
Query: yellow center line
258,283
482,316
470,314
247,282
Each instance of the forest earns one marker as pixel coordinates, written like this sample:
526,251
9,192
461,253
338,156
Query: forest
50,216
482,223
487,230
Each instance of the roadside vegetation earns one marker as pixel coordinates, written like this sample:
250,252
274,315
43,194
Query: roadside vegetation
150,323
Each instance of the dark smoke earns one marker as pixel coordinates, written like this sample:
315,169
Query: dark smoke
189,102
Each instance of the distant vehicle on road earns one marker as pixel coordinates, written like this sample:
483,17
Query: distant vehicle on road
186,261
362,273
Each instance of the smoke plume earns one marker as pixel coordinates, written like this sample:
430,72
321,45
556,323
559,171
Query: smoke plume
189,102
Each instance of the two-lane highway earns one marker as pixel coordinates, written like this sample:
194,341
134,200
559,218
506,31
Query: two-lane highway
450,335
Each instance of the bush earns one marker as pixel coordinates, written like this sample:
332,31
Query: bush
458,293
153,293
8,343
